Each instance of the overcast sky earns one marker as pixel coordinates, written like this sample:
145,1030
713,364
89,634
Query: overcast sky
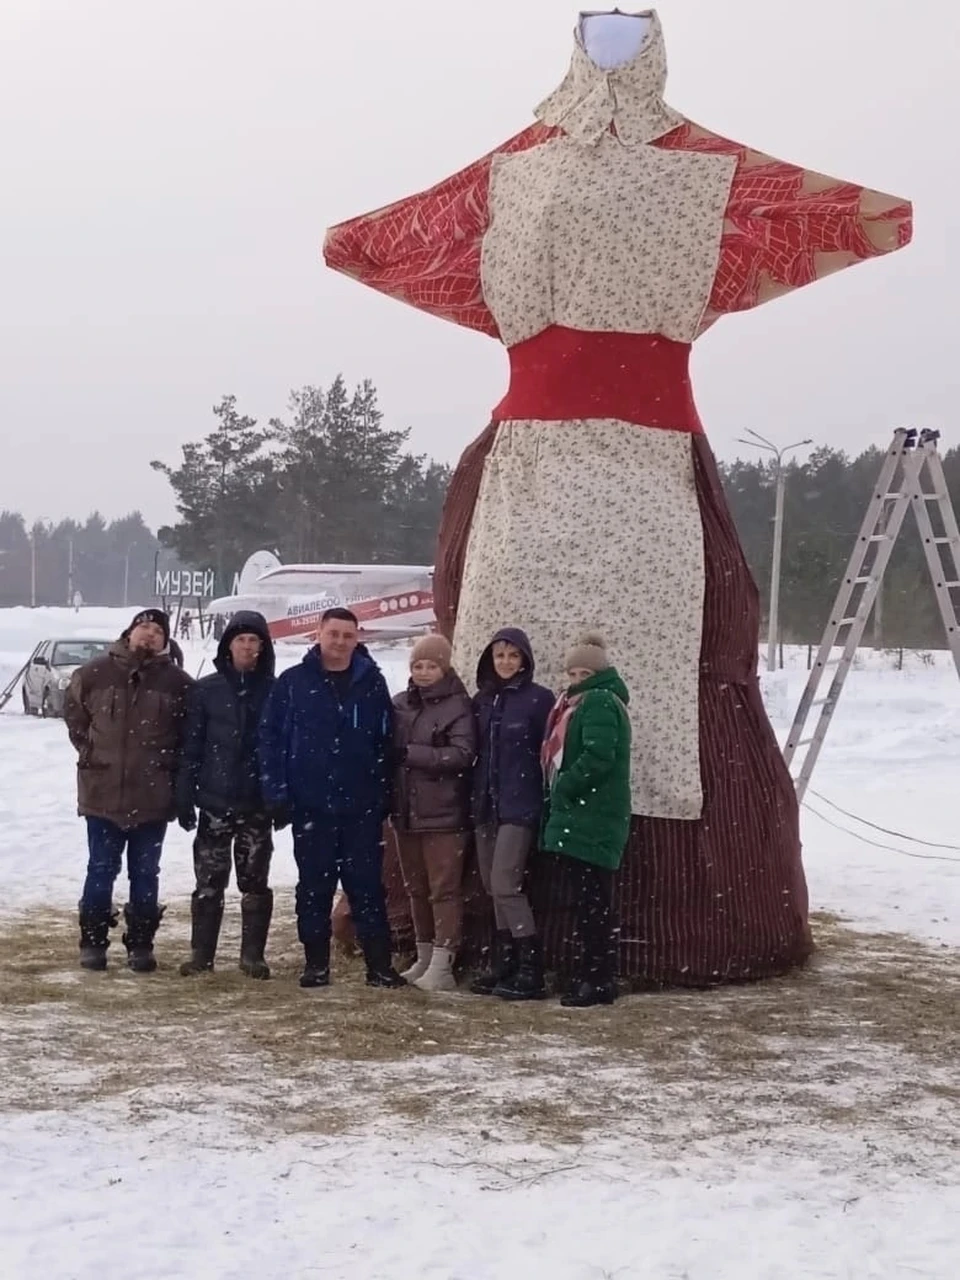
167,172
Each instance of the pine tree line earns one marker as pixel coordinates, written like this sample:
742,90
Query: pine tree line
329,483
48,563
826,500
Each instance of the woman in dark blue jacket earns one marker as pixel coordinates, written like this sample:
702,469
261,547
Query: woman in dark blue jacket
512,716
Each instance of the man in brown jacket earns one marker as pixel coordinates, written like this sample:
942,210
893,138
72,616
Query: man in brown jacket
124,712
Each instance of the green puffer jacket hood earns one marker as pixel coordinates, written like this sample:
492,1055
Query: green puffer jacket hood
587,814
609,679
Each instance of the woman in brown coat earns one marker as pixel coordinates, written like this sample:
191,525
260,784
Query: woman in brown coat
435,741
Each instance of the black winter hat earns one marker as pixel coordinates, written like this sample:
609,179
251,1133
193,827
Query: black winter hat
247,623
156,616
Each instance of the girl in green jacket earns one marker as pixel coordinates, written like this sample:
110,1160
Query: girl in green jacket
586,764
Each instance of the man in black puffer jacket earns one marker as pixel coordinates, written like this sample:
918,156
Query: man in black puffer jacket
219,773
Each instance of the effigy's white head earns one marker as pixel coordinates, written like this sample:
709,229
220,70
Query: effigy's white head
616,79
613,39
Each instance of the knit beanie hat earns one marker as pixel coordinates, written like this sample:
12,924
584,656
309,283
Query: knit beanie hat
156,616
433,648
589,653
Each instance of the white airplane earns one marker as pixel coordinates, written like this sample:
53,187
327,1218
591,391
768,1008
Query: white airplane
391,602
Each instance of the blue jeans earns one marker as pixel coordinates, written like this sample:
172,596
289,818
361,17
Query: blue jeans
106,842
346,849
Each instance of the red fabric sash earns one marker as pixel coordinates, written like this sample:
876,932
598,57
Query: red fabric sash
566,374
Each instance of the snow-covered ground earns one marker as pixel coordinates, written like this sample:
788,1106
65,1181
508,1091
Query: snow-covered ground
102,1188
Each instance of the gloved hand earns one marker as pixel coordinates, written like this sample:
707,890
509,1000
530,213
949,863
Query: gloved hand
279,816
187,817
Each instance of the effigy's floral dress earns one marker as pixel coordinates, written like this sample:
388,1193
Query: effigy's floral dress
597,245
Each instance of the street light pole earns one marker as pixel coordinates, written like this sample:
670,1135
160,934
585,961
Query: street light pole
773,631
39,523
126,573
773,622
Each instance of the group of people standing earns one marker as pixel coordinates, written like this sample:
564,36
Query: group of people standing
324,749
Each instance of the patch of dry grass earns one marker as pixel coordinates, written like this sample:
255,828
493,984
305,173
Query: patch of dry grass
868,1034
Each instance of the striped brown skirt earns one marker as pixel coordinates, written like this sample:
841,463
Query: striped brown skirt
720,898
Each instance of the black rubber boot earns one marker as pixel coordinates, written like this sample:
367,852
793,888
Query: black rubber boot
257,912
206,915
380,970
527,982
95,939
502,964
316,971
138,939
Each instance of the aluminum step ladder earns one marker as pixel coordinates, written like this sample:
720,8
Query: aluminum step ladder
7,692
911,476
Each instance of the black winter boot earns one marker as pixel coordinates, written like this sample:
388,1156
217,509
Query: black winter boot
380,970
141,931
595,982
587,993
257,911
95,938
316,971
526,983
206,915
501,964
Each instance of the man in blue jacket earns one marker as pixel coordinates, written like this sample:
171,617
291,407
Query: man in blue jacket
324,763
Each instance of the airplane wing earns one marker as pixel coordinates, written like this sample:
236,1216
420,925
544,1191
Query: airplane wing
234,604
368,579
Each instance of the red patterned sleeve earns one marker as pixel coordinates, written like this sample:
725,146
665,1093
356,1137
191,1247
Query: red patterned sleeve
425,250
786,226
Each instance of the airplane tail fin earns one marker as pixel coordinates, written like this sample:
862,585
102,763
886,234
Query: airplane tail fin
257,565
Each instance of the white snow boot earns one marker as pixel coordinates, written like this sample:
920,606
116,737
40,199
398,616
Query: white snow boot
421,964
439,976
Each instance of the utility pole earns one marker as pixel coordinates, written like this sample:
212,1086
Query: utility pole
126,573
70,572
773,621
33,567
39,523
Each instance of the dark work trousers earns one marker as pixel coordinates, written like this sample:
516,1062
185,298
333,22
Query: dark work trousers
106,842
593,890
245,839
346,849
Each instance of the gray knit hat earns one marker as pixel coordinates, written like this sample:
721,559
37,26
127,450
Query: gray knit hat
588,654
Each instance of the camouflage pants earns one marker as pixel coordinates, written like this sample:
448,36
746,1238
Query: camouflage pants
243,838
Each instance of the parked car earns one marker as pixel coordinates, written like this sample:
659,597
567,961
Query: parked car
48,674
